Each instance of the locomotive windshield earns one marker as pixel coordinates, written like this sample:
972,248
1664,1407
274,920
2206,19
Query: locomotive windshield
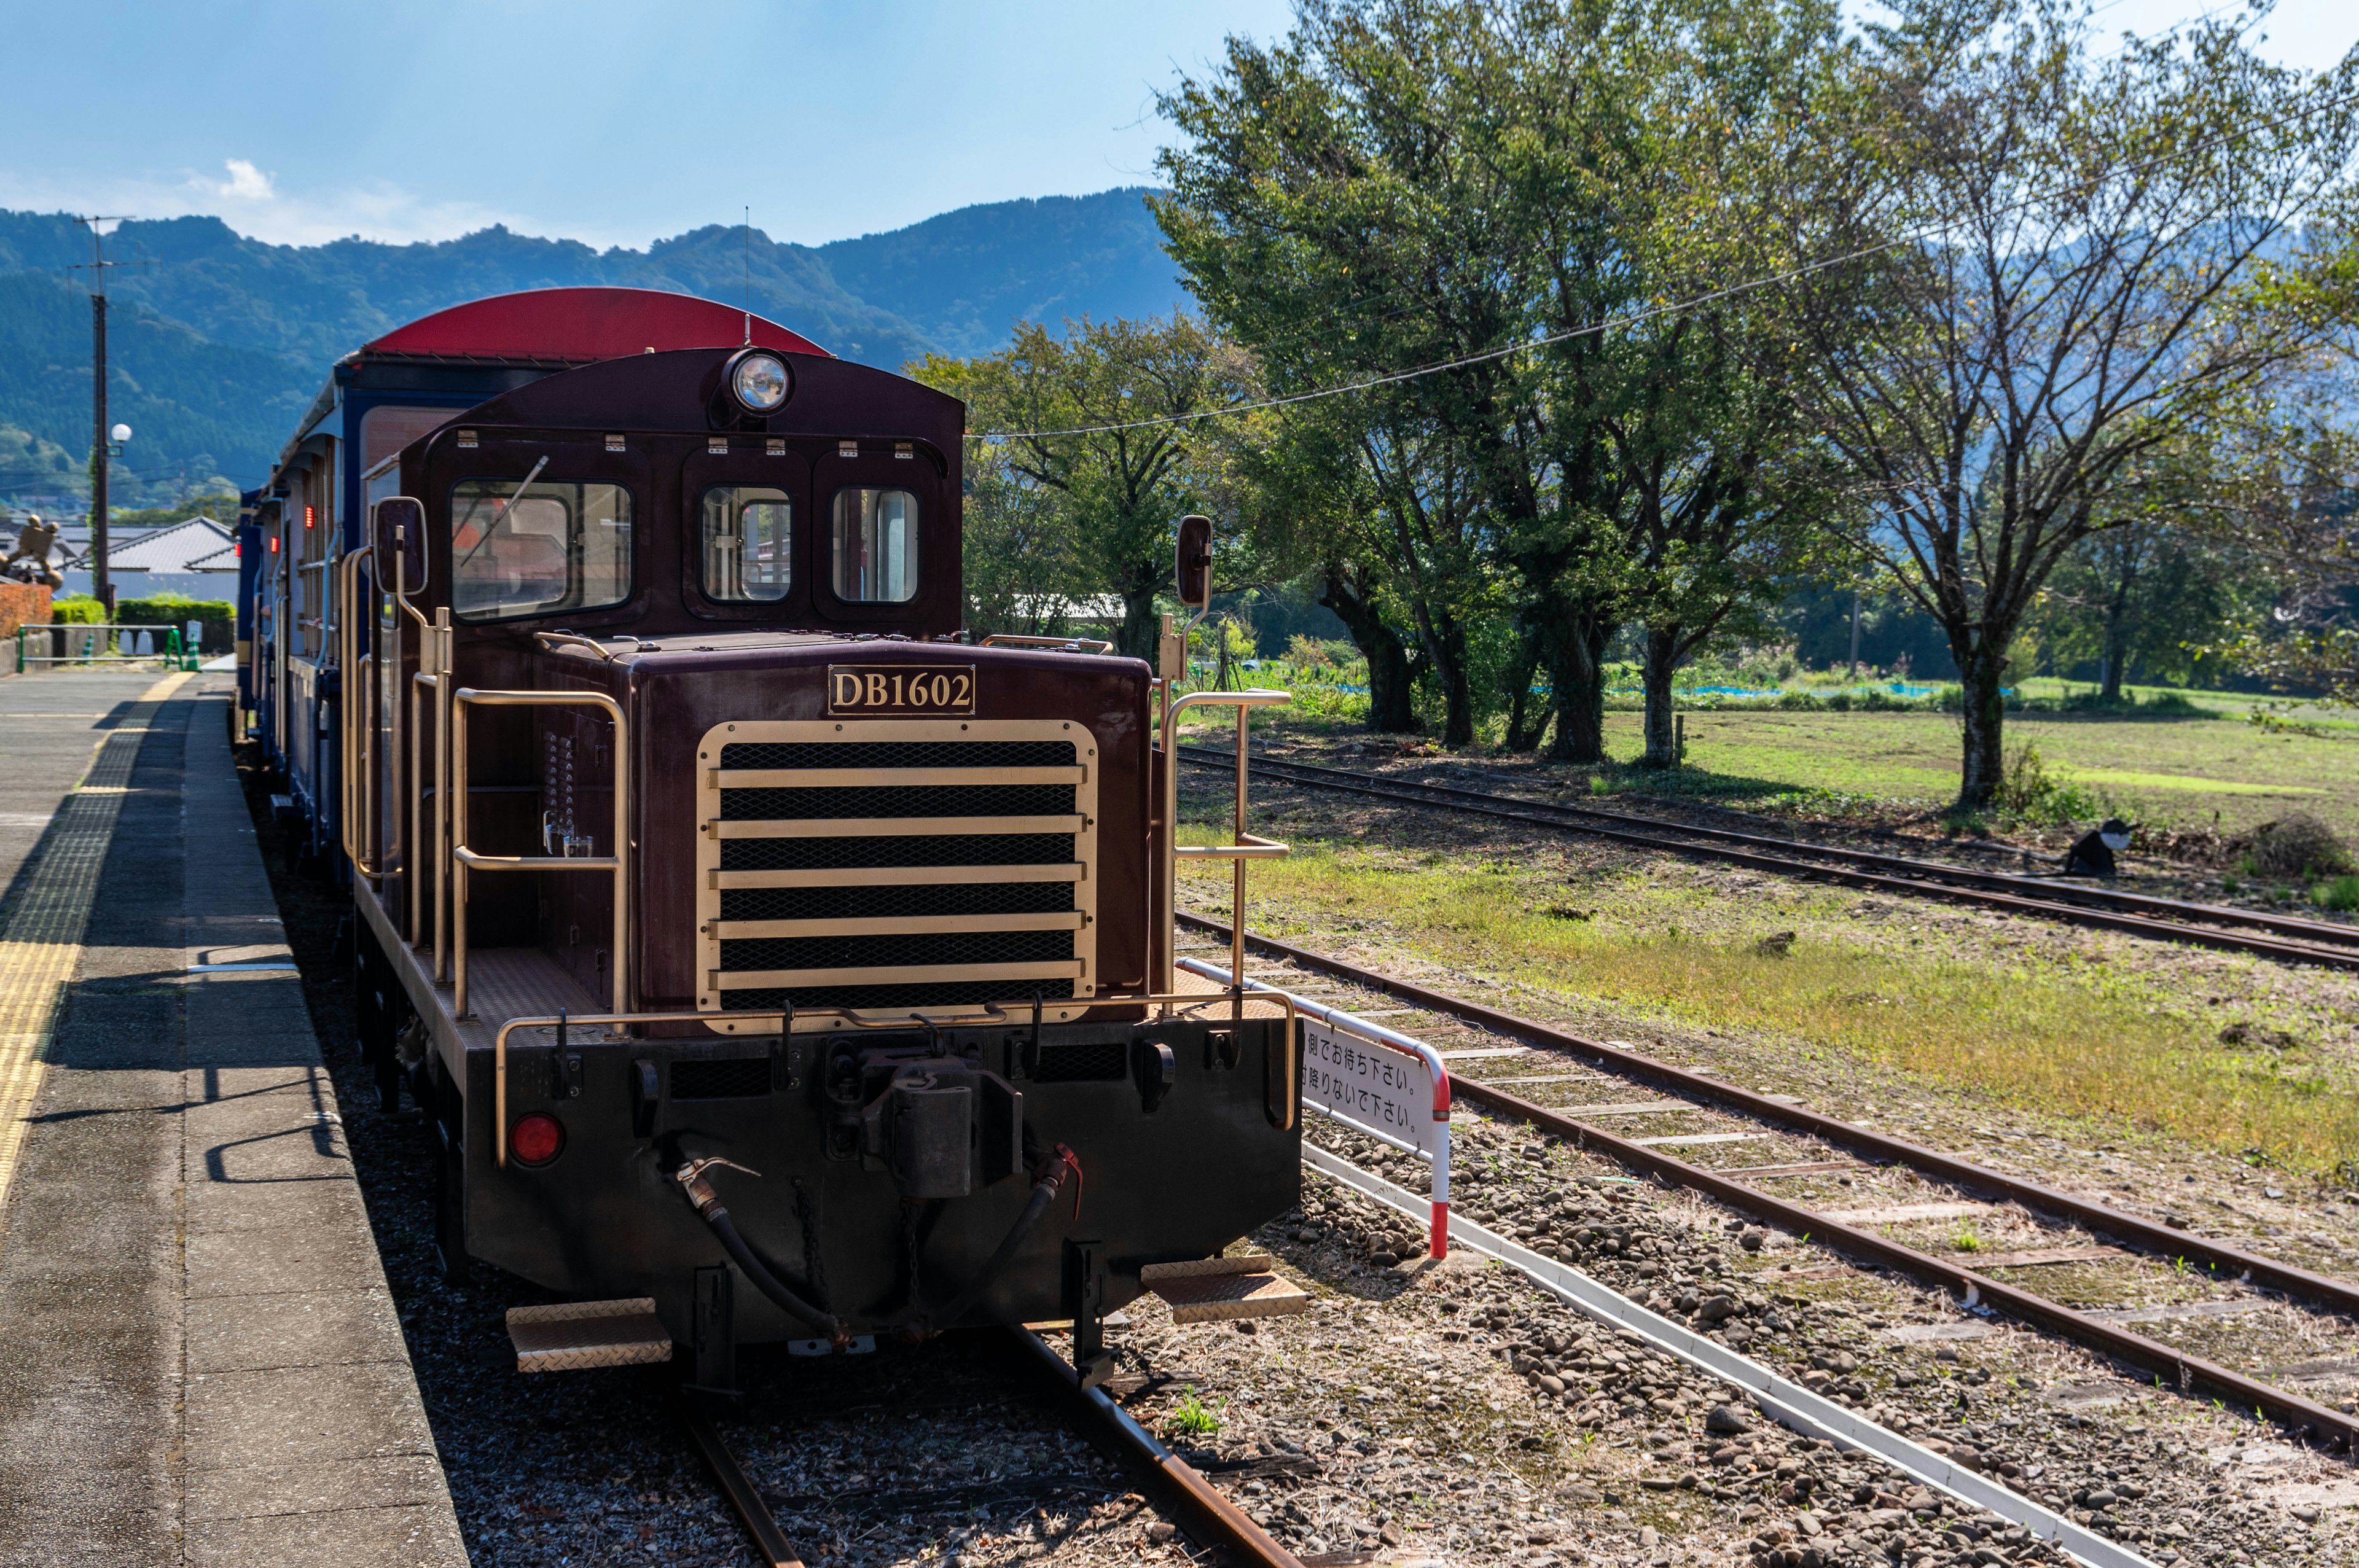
875,545
552,545
748,531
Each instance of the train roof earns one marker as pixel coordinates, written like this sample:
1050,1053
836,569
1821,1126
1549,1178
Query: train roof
577,325
543,330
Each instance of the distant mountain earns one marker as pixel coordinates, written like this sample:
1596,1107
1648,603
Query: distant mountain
218,343
965,278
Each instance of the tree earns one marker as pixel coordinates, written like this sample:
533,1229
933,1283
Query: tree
1023,572
1103,428
1346,205
1313,508
2299,523
2140,601
1494,196
2053,255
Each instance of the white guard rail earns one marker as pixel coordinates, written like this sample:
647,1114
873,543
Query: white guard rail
1397,1093
1785,1403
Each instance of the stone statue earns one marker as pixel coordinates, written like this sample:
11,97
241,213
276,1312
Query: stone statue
30,561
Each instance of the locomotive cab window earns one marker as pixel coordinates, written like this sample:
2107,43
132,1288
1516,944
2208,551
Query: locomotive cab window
748,534
548,547
875,545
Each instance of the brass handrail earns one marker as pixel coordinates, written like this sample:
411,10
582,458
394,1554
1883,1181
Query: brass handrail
1243,846
855,1018
464,860
1023,640
357,826
553,641
417,858
445,673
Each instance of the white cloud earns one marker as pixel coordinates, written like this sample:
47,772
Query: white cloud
246,183
254,202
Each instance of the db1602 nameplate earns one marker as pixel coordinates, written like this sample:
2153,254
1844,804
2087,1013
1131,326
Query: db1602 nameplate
900,688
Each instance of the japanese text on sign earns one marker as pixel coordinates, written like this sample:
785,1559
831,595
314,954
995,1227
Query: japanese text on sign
1378,1090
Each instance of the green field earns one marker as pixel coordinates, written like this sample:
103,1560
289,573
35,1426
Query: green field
1955,1001
2186,772
2185,760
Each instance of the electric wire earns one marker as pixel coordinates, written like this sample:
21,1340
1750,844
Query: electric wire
1651,313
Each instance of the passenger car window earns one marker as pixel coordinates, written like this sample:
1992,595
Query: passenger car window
748,532
875,545
557,545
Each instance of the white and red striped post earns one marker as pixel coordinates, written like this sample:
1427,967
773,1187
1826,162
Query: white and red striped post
1437,1235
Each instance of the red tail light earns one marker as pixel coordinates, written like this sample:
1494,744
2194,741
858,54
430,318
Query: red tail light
536,1139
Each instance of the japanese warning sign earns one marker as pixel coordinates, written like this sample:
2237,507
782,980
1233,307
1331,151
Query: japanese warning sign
1374,1087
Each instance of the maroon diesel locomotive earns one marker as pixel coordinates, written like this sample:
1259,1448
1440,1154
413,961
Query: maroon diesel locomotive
776,962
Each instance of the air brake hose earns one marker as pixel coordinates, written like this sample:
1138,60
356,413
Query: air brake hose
1044,1193
715,1214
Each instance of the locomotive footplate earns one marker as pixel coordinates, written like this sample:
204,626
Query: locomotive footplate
882,1180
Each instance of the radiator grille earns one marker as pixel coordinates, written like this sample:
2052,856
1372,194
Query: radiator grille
841,854
813,895
925,949
927,800
899,754
948,994
888,902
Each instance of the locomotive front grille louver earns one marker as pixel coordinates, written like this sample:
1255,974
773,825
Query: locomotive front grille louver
885,864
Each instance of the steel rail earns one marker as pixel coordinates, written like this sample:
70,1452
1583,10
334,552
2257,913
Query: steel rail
1920,883
1788,1403
2191,1374
1213,1519
2290,925
743,1497
2317,1290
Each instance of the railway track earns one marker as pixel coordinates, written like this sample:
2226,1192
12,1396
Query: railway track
2286,938
2120,1232
1213,1519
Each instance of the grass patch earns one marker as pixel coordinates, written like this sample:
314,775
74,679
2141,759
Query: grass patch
1193,1416
2130,779
2081,1040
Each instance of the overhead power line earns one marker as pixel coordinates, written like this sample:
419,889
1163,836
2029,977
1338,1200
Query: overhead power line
1631,318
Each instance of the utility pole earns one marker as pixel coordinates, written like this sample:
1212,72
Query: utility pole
102,586
1854,634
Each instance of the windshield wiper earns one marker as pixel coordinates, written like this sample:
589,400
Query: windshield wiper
509,512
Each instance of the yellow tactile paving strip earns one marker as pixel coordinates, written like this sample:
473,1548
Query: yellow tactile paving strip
41,934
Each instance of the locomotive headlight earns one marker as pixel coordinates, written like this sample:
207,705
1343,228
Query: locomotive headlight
761,382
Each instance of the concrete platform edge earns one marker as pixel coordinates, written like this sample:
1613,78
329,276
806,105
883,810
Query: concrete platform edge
307,1428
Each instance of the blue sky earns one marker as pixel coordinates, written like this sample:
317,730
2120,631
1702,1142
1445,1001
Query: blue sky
622,122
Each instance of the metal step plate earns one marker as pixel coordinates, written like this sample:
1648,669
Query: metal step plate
1212,1290
567,1336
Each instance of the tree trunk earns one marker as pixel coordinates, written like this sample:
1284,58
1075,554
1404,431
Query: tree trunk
1142,624
1447,648
2110,663
1520,671
1980,677
1577,671
1662,664
1390,710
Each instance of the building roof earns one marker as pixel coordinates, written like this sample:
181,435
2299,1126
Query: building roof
174,549
582,324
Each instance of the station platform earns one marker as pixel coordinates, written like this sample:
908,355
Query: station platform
201,1361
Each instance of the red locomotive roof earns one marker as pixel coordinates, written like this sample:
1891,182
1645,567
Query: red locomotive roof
582,324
